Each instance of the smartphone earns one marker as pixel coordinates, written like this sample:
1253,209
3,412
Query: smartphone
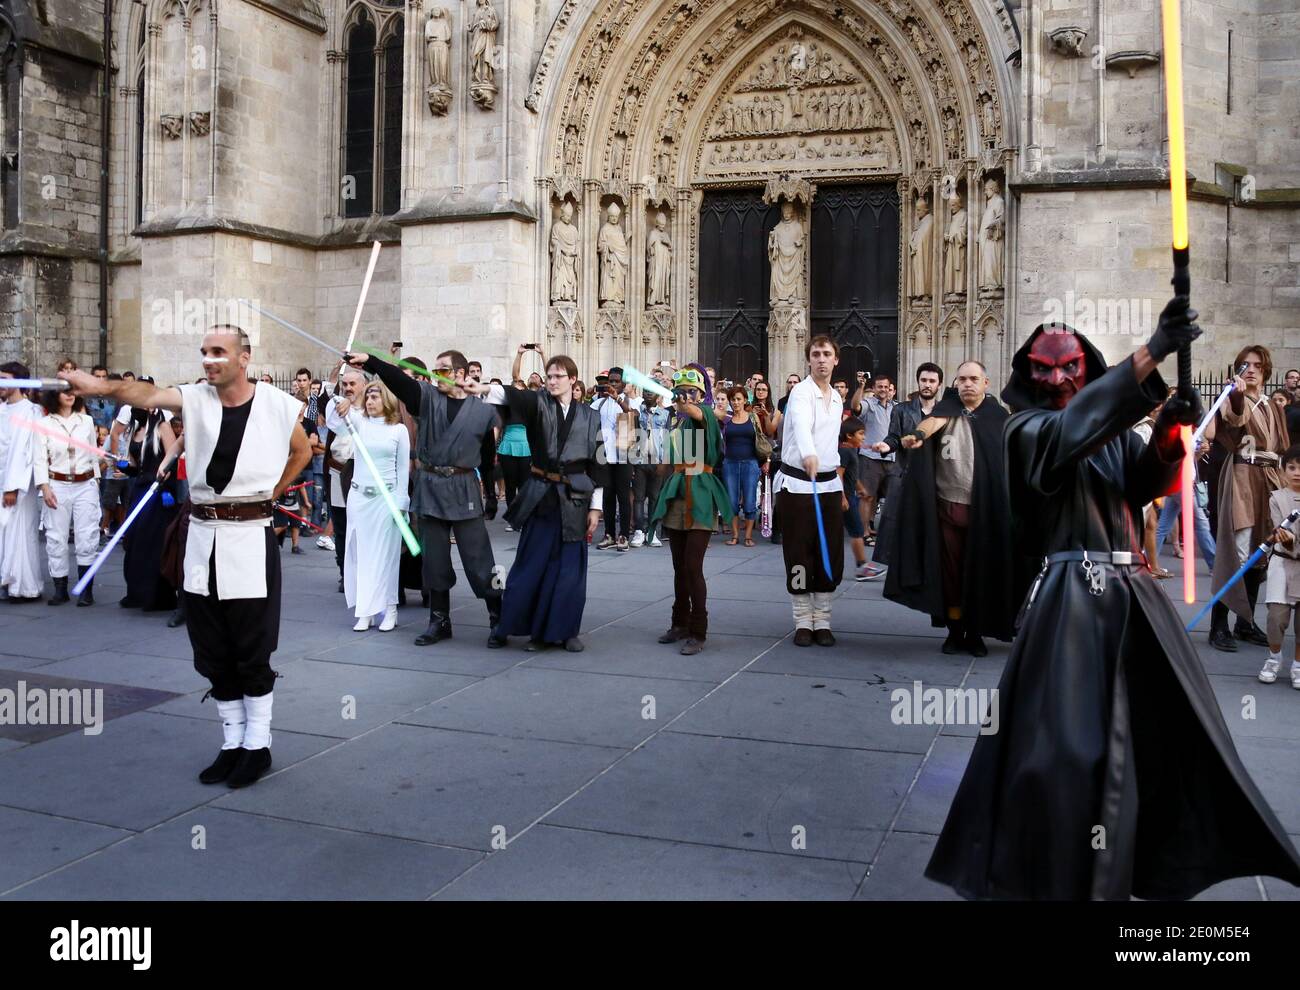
397,344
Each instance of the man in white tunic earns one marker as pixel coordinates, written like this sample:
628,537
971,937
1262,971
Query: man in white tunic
243,446
810,450
21,577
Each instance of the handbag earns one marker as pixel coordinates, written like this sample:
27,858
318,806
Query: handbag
762,442
1202,491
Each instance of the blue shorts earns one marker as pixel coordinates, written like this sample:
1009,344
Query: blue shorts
853,519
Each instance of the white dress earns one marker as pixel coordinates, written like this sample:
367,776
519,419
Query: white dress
374,544
20,548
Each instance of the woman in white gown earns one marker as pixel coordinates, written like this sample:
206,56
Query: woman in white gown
374,545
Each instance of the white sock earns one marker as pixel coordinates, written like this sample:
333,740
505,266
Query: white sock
1275,655
821,610
802,606
258,733
233,722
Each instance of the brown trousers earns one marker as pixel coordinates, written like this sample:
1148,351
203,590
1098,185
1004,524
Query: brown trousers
954,524
690,601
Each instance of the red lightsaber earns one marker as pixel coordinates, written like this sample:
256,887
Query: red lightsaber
293,515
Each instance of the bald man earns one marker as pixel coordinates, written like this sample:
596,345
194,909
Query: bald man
243,446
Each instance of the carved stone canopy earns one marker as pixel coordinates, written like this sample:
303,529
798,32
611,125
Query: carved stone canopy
794,189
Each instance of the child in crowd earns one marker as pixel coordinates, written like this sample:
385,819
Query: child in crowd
853,434
1282,590
296,500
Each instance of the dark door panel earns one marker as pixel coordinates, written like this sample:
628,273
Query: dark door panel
734,276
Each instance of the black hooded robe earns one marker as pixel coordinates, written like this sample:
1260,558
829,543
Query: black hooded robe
990,591
1112,773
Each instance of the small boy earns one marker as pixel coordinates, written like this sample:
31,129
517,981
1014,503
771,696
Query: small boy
1282,591
853,433
297,501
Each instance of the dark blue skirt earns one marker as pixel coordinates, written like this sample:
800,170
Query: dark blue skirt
546,590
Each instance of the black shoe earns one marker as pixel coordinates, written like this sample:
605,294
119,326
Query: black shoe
803,637
88,592
975,646
955,642
490,510
776,538
1251,634
824,637
496,640
221,767
60,595
536,646
439,629
252,764
1222,640
493,604
674,634
574,645
340,586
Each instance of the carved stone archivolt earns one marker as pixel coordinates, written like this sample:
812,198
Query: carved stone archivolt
695,93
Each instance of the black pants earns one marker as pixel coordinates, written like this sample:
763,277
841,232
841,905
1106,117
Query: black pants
514,471
618,495
233,639
690,592
339,516
645,494
475,554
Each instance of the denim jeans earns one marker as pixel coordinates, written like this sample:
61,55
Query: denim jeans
1169,511
741,479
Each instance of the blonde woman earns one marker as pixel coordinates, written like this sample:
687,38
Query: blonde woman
374,545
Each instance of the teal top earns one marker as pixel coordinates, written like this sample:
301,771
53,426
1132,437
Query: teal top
514,441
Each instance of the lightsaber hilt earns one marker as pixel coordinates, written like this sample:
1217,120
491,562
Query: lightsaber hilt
1182,282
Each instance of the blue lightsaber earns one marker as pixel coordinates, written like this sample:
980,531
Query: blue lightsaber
117,538
1260,550
821,528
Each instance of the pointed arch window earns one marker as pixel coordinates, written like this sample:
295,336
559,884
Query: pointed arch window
138,192
372,110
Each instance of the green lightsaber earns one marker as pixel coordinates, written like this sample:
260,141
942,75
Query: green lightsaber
379,355
412,543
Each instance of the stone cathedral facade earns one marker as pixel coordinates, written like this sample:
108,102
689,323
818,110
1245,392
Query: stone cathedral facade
631,180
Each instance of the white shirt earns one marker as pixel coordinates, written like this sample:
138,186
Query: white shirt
52,453
812,427
17,472
124,415
341,450
389,446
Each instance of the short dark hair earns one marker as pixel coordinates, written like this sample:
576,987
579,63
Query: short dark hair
50,401
565,362
302,371
850,426
15,368
458,362
1292,453
99,367
882,378
113,376
420,364
820,340
617,371
841,381
931,367
1289,370
479,363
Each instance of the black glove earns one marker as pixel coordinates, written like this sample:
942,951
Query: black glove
1177,326
1183,408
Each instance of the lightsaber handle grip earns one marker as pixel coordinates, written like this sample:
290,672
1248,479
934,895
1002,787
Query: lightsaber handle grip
1182,282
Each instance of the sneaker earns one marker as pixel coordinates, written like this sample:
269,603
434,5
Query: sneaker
326,543
1295,676
638,539
656,542
1269,674
296,550
606,543
320,542
622,545
509,528
870,572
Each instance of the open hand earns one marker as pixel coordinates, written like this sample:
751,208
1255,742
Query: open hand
50,499
593,521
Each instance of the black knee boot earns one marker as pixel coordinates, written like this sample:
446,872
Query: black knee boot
493,603
439,619
956,637
1220,637
60,592
87,596
1248,631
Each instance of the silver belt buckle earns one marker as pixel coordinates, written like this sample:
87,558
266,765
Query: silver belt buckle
1121,557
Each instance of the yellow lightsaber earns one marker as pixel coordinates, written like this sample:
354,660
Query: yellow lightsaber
1173,59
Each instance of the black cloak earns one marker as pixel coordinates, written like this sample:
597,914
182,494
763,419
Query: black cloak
1111,773
990,592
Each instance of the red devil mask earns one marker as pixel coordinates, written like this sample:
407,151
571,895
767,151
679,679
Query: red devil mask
1057,365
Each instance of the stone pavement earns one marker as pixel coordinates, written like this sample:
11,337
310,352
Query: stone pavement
754,770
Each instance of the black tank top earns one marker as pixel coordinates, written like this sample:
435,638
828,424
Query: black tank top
234,419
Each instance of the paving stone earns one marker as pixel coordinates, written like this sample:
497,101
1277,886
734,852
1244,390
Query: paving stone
34,844
899,872
926,808
92,712
138,670
574,864
248,857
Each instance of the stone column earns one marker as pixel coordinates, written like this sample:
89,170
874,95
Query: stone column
635,228
685,217
596,353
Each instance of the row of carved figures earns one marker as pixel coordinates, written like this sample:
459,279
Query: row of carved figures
484,55
614,258
991,235
795,112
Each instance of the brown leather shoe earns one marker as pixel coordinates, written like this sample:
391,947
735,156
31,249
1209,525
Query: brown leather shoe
823,637
803,637
673,634
691,647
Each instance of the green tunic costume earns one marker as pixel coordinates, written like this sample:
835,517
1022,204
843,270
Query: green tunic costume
694,496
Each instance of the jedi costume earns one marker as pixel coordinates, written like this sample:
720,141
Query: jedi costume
546,590
1112,773
952,553
21,575
454,439
70,475
235,456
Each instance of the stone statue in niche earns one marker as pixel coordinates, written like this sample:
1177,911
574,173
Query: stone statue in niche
611,247
483,28
785,249
571,149
437,55
921,251
617,151
991,236
564,257
954,249
172,125
659,263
